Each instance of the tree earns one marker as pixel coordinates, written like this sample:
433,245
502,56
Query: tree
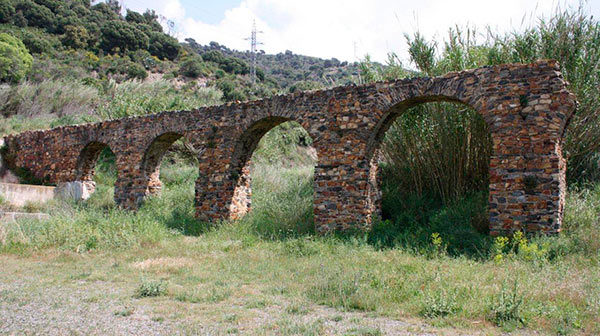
152,20
76,37
122,35
191,67
213,56
163,46
6,11
15,60
134,17
114,6
37,15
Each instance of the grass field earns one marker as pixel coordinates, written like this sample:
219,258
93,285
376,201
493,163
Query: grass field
94,269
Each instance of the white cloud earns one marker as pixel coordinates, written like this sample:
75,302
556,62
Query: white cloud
345,29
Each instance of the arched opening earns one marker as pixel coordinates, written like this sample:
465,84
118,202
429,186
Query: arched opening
169,168
153,157
430,164
275,161
97,170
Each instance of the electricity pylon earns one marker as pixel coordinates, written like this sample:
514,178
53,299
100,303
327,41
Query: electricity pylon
253,43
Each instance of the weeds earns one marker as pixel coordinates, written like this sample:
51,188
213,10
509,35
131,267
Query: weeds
151,288
505,308
439,303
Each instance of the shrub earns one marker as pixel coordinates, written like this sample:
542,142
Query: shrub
76,37
6,11
122,36
136,71
151,289
38,42
163,46
192,67
15,60
37,15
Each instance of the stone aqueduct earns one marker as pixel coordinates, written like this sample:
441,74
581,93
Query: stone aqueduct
527,108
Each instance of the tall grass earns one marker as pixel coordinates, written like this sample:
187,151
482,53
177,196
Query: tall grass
62,102
443,150
60,98
135,98
439,149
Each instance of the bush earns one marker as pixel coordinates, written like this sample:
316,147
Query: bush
136,71
15,60
6,11
193,67
151,289
76,37
37,15
439,303
122,36
163,46
37,42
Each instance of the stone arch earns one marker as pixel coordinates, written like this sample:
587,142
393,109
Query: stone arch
150,166
240,163
394,111
385,122
86,162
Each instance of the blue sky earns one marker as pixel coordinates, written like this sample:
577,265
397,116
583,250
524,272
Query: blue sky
209,11
345,29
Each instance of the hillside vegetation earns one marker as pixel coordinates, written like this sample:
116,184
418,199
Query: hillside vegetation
428,260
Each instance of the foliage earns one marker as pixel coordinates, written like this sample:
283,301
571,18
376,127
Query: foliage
7,10
136,71
570,36
150,288
193,67
229,89
130,98
420,163
58,102
163,46
439,303
15,60
281,70
76,37
122,36
84,27
506,306
37,15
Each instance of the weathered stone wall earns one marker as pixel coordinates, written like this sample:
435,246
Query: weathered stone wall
526,107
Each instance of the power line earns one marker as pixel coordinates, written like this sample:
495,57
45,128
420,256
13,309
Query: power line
253,44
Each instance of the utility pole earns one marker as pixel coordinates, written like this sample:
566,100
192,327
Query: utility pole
253,44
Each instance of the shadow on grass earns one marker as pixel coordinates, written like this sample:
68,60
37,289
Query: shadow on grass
409,222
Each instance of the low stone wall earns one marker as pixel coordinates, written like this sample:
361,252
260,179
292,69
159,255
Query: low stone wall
20,194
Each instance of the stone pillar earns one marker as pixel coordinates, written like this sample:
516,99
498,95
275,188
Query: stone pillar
527,170
132,183
342,199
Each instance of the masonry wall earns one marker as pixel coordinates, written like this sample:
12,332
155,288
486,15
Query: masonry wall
526,107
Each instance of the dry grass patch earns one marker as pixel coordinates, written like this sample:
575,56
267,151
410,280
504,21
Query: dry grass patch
163,264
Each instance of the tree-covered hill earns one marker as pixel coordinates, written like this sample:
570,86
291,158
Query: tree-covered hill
290,71
97,42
